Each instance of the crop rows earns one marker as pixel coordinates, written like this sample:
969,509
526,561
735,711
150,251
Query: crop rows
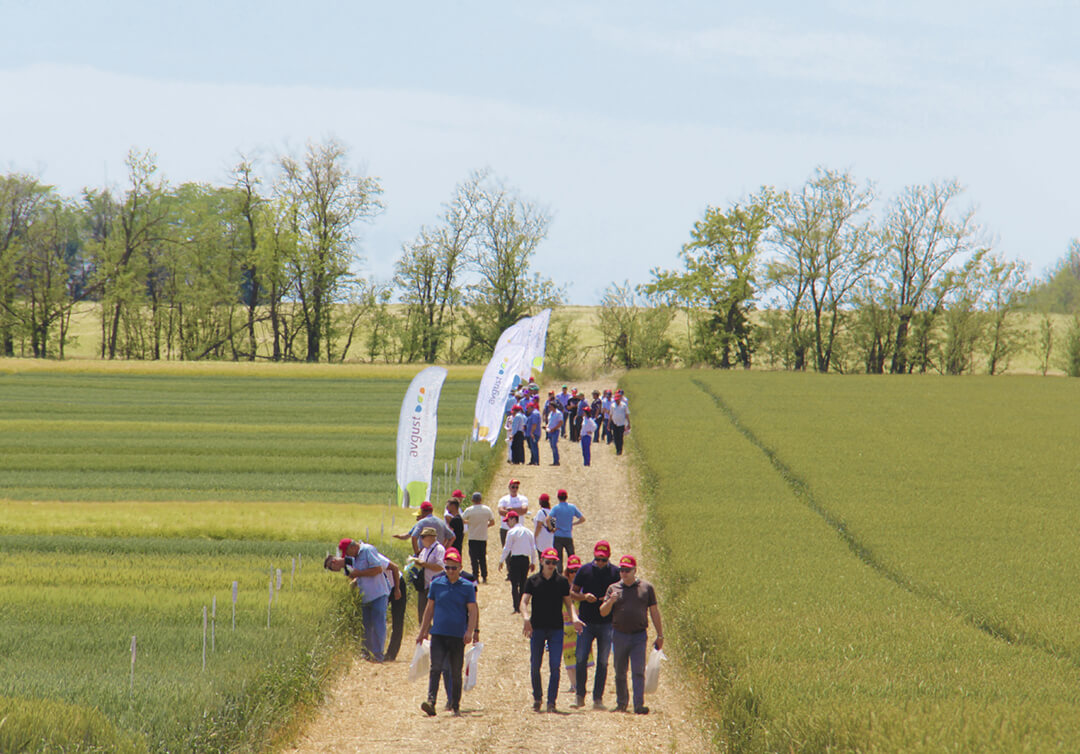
131,498
853,545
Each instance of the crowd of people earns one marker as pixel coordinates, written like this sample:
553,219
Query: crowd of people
569,415
578,614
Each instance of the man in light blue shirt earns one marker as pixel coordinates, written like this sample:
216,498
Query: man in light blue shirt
532,434
554,426
565,515
368,571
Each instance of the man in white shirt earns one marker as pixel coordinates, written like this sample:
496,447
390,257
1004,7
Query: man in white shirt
478,518
620,422
512,501
519,553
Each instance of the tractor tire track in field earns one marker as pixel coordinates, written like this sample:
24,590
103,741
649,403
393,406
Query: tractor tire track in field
374,708
802,491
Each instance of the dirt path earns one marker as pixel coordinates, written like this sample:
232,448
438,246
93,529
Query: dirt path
375,708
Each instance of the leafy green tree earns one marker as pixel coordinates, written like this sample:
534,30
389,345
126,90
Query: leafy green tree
1045,342
922,238
327,199
508,231
716,286
1008,287
633,331
824,249
20,197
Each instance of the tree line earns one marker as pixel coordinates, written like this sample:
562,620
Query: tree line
265,267
819,278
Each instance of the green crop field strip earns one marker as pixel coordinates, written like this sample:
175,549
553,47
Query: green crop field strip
878,564
131,498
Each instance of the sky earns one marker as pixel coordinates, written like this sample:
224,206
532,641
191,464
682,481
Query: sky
627,120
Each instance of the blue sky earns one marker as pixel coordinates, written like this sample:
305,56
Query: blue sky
626,119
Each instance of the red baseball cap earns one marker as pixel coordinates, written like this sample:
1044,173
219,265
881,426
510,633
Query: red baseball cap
452,555
517,407
550,554
602,548
627,561
573,563
427,506
457,493
561,494
509,515
544,497
586,409
343,545
513,482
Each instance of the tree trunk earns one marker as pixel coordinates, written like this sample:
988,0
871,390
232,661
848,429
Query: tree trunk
899,360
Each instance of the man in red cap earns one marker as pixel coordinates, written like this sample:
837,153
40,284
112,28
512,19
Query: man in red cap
376,577
519,553
631,602
450,620
517,434
590,586
443,534
548,592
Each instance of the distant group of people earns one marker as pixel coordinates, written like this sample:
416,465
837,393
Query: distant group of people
604,418
577,613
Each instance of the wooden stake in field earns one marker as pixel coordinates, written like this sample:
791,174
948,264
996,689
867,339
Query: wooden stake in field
132,688
235,590
204,638
213,624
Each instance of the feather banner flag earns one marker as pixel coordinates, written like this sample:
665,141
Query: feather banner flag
418,426
495,386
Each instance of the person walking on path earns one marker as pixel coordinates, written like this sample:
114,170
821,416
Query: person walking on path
588,429
573,418
544,531
452,518
449,619
548,593
443,534
479,518
376,577
566,516
631,602
554,426
511,502
590,586
620,422
517,435
563,398
532,433
519,554
431,560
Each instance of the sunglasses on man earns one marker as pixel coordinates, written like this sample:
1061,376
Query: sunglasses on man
452,567
625,569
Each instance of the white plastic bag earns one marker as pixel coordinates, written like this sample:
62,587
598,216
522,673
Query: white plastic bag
652,671
421,661
472,666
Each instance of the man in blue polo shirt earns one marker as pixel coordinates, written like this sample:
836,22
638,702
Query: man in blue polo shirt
450,620
532,433
565,515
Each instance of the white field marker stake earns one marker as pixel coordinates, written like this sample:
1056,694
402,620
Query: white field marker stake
235,589
367,533
204,638
269,602
213,624
132,689
278,580
292,574
300,560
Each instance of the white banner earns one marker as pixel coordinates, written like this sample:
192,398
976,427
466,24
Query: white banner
494,388
418,426
538,328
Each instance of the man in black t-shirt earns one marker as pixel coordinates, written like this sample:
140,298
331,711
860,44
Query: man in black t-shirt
590,586
548,592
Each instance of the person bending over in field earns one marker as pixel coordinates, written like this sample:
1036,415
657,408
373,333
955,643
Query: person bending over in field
377,578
